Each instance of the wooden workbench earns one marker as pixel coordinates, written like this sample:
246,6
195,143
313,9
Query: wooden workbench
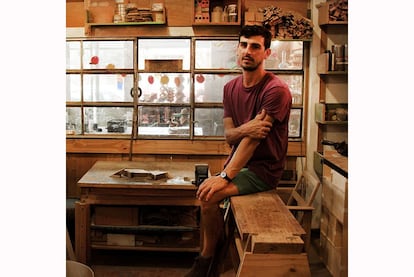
100,188
268,240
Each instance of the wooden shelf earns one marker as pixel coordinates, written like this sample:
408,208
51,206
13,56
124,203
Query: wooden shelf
333,23
331,122
216,24
126,23
143,228
145,248
322,113
333,73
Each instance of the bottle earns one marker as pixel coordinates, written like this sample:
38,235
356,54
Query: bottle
283,64
225,15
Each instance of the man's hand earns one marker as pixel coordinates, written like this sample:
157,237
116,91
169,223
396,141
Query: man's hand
258,128
209,187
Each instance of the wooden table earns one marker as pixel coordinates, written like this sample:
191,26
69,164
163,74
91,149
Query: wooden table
101,188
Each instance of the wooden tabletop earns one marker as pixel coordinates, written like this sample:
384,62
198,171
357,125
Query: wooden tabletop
103,174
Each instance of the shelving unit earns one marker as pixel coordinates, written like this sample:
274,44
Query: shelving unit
333,83
157,228
331,115
205,13
100,13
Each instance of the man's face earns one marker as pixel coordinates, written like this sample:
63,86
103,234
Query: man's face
251,52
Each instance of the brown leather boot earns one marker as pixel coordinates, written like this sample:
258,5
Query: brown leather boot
200,267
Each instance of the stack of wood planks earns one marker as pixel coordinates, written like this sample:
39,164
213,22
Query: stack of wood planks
338,10
287,24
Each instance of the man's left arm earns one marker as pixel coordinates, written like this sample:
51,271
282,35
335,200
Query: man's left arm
244,152
239,159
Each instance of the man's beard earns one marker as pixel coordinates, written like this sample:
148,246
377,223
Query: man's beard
250,67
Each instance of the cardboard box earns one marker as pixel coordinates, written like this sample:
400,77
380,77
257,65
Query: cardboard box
121,239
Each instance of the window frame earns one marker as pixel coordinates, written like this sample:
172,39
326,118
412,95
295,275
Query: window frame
135,104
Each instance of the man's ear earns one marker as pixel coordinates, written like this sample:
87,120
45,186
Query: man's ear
268,51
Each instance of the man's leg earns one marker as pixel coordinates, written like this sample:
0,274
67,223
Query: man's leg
212,226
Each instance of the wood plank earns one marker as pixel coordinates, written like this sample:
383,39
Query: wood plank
187,147
281,242
263,213
274,265
194,147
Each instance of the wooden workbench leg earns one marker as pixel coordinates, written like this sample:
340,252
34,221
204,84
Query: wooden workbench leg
307,226
82,216
274,265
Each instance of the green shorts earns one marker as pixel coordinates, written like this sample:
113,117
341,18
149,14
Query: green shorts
247,182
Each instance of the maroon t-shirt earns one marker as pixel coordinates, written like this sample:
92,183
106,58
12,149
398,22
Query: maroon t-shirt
243,104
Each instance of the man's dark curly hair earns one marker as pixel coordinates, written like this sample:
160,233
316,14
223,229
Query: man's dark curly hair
256,30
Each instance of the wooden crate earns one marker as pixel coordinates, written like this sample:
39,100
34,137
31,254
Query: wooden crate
333,257
331,228
163,65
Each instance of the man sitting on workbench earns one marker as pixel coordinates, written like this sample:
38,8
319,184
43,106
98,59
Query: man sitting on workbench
256,114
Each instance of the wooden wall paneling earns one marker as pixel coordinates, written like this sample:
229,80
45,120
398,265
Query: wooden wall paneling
183,147
75,14
179,13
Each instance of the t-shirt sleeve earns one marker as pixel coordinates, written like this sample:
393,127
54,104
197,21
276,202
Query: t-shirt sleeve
277,102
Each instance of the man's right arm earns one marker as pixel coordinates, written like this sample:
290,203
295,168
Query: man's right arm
257,128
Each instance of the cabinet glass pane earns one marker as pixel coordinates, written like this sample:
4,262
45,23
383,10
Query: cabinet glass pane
164,49
108,87
216,54
73,55
210,121
295,83
285,55
108,120
295,123
73,87
73,121
164,121
164,88
209,87
103,54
